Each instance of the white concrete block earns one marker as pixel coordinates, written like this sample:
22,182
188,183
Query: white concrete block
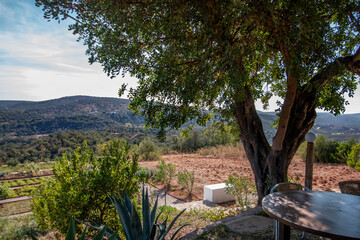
216,193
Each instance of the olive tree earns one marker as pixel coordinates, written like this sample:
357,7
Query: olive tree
195,58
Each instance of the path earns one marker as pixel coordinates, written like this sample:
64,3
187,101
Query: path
177,203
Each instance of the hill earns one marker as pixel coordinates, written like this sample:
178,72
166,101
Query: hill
19,118
24,118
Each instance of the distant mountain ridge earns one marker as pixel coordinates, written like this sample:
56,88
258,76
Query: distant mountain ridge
99,113
86,113
68,105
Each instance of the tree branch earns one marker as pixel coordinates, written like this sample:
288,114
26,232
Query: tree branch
288,103
350,63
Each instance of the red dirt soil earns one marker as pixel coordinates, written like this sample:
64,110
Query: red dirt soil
212,170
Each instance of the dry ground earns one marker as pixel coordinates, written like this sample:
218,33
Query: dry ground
212,170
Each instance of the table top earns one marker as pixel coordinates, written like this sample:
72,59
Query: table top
328,214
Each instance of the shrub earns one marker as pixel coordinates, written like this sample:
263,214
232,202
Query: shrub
12,162
32,168
145,173
193,142
165,172
148,150
344,150
81,184
354,157
5,191
240,189
186,180
325,150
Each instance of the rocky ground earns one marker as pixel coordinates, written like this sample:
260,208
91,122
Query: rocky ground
212,170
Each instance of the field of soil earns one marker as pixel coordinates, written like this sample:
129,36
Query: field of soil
212,170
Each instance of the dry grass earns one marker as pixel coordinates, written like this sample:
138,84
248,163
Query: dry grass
223,151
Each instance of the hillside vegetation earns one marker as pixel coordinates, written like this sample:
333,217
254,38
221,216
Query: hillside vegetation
22,118
41,131
27,118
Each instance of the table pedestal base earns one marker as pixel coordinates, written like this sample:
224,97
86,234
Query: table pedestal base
282,231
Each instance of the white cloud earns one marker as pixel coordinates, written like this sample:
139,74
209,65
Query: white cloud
41,60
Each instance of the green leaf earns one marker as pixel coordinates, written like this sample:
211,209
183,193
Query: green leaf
147,224
113,236
171,224
100,235
82,237
71,231
123,215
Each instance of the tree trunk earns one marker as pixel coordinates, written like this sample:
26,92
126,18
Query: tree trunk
270,166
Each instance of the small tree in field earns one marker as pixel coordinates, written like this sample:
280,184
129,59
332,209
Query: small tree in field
81,186
186,180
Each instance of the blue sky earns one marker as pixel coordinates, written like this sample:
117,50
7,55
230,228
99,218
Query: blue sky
42,60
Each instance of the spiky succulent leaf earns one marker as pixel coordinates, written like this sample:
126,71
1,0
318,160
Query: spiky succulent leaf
113,236
146,214
171,225
100,235
176,232
136,224
123,215
82,237
152,217
71,230
128,204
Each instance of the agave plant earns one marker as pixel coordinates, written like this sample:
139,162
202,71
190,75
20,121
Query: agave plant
130,220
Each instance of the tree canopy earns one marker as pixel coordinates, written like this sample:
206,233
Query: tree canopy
194,56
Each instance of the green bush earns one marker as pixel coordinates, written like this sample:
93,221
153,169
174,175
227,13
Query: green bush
5,191
12,162
148,150
165,172
328,150
81,184
325,150
192,142
354,157
32,168
186,180
344,149
240,189
145,173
